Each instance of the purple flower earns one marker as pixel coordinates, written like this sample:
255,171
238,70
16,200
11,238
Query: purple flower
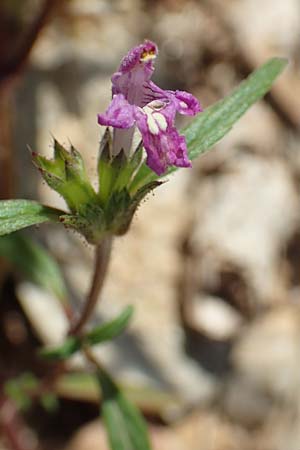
137,101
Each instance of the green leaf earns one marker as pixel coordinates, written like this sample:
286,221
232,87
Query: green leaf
83,386
78,386
71,345
217,120
18,214
34,262
111,329
49,402
209,127
101,333
125,426
26,387
19,389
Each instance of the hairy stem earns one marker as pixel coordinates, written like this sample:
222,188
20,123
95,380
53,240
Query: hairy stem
102,258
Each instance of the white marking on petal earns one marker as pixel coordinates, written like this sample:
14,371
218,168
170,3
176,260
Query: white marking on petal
147,110
160,120
152,125
183,104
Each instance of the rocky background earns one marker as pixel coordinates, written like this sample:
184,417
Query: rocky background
211,262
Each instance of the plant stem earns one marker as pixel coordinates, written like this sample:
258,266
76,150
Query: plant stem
102,258
88,353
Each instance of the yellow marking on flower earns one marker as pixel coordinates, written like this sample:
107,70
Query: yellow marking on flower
147,55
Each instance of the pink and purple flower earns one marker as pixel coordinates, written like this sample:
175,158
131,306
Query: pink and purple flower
137,101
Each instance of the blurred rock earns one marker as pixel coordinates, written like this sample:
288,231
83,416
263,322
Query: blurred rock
281,431
266,29
267,353
244,402
39,305
240,228
90,437
209,430
199,431
215,318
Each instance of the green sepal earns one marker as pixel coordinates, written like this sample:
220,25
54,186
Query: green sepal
53,181
128,170
70,163
60,154
66,174
75,167
109,173
90,222
95,215
135,202
105,170
115,171
48,166
143,191
117,210
95,222
122,206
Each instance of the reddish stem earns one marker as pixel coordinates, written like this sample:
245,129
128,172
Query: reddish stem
102,258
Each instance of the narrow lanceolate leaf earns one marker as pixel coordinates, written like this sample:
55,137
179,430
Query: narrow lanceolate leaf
125,426
34,262
209,127
217,120
83,386
101,333
109,330
18,214
71,345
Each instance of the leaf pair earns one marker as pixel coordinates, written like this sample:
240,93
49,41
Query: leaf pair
125,425
101,333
